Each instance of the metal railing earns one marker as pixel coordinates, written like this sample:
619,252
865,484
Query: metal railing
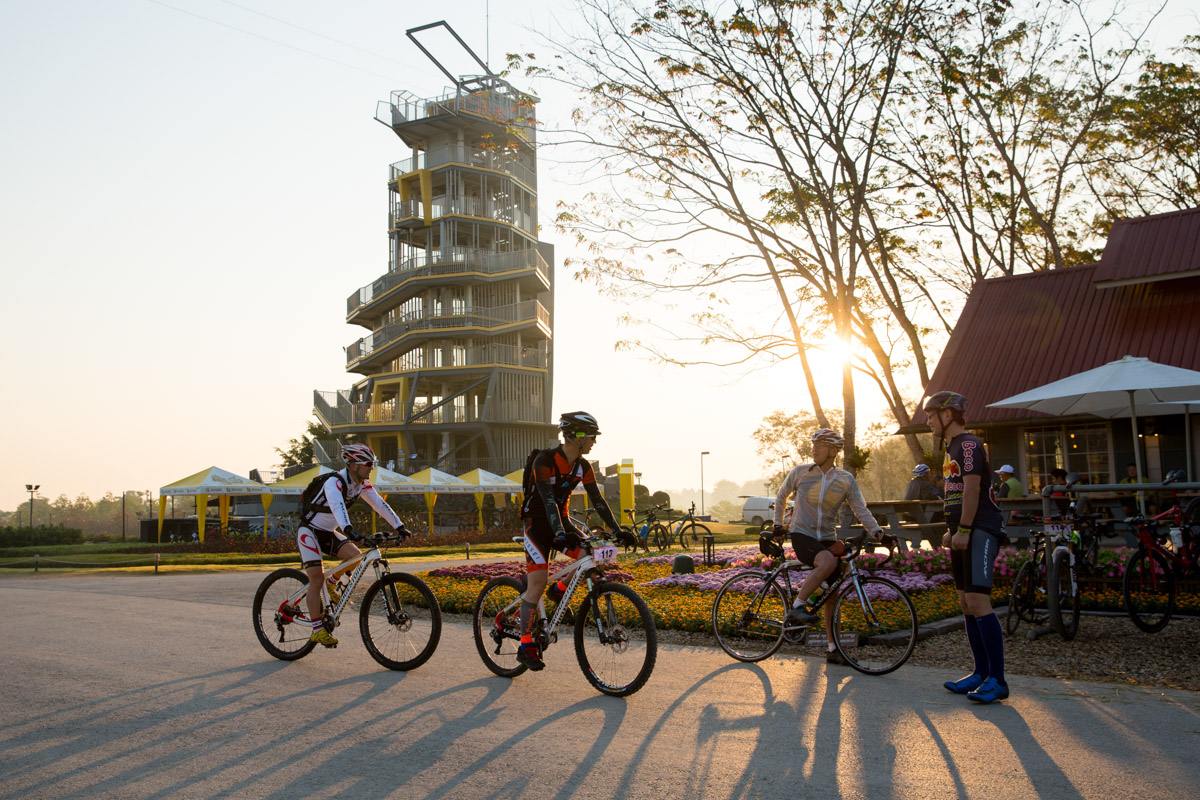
481,317
471,156
496,103
453,261
481,207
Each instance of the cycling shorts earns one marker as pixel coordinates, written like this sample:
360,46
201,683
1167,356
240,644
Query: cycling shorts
973,568
314,542
539,545
807,548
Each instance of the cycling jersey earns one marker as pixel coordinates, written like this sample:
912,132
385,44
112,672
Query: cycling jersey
819,495
554,478
966,456
338,494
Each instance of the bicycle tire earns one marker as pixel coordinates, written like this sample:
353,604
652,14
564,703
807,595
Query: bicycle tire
497,645
859,613
1016,598
661,537
1062,600
748,622
1149,584
621,665
271,616
400,621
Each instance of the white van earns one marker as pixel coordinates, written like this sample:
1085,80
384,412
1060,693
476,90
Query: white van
758,510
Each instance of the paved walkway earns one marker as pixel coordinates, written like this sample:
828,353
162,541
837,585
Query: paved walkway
155,687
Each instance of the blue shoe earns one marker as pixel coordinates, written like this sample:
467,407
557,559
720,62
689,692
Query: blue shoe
989,691
965,685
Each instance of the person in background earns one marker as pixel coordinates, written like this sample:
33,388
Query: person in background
1009,485
922,485
1130,504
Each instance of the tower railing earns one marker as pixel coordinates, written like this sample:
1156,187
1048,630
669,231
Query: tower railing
454,260
482,158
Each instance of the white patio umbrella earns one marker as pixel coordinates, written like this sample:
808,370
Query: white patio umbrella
1108,390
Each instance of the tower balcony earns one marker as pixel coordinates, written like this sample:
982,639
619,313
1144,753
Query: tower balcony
410,213
375,349
462,262
473,157
490,107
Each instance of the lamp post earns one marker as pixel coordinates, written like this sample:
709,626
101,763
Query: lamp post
31,488
703,453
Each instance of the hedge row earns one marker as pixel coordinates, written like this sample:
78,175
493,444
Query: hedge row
42,534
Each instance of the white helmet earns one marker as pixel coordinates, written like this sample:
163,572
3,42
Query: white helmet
358,454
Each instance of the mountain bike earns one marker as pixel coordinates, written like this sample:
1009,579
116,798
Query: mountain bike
400,620
649,529
689,530
748,614
1027,596
1160,559
616,642
1068,549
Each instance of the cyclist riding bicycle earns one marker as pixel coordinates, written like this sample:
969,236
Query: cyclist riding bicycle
975,526
325,527
552,476
821,489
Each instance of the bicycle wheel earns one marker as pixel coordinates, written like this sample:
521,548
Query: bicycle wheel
498,633
616,642
874,625
660,536
1149,589
1020,598
400,621
747,621
274,613
1062,595
690,534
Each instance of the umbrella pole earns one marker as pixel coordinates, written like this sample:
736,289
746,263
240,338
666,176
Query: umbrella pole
1187,431
1137,454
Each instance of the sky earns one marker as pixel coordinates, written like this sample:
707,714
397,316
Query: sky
190,190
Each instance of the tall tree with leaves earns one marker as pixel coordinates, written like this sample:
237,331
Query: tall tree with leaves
300,451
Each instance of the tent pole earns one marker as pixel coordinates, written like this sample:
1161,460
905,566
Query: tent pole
1137,453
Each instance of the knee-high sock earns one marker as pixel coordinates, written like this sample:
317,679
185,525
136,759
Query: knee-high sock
978,651
527,609
993,642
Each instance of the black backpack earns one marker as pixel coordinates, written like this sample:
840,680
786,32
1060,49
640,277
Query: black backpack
527,486
309,507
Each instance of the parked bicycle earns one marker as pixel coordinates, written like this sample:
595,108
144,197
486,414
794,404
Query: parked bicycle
688,530
649,530
1161,558
748,614
616,642
1066,551
400,620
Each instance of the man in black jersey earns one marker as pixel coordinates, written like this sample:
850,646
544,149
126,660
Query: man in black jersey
975,523
555,474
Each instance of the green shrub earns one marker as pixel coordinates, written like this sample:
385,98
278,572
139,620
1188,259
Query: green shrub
41,535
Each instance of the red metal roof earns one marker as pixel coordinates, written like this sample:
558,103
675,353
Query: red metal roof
1020,332
1155,248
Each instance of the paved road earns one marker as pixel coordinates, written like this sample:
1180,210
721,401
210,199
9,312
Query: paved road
155,687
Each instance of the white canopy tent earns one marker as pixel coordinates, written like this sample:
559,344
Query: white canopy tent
211,481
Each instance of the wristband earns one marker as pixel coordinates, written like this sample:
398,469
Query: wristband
964,530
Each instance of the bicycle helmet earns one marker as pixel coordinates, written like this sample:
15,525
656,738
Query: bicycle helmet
358,454
920,470
578,423
946,399
828,436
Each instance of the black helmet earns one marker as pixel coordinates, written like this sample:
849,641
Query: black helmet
578,423
942,400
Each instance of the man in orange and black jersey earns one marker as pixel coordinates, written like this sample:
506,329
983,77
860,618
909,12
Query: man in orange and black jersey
555,474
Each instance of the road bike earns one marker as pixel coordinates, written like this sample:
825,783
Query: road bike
649,530
689,530
400,620
874,620
616,642
1161,558
1067,550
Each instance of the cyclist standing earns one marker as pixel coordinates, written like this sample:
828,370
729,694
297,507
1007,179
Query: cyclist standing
820,489
553,475
975,526
325,528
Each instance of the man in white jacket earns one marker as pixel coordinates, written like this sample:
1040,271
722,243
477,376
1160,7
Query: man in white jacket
820,489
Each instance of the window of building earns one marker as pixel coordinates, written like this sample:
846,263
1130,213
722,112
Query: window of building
1043,452
1088,453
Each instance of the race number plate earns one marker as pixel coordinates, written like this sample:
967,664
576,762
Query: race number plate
605,552
1058,530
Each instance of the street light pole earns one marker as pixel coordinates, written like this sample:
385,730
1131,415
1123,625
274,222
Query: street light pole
703,453
31,488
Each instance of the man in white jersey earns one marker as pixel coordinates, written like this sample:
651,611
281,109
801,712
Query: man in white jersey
325,528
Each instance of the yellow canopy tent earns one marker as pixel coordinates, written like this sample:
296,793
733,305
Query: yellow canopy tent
489,483
438,482
384,480
211,481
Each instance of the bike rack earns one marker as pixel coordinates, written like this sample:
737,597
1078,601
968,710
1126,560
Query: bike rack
710,555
